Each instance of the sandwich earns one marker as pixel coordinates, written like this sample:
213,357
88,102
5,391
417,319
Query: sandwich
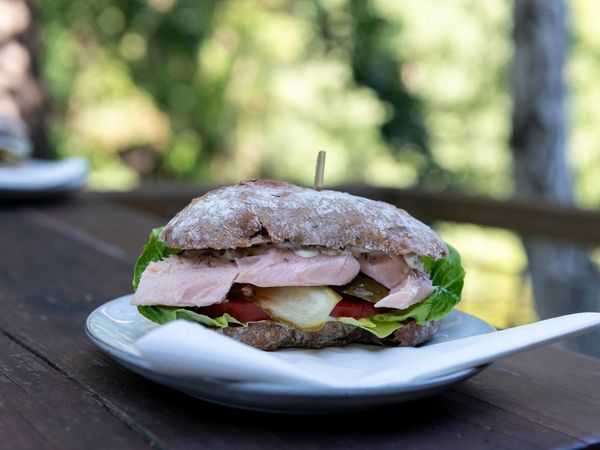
276,265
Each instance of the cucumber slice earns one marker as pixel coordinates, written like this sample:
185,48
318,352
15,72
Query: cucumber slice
306,308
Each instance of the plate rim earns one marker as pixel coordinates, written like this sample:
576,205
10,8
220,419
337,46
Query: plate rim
304,391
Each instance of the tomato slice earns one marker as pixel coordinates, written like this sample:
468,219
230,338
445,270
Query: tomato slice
247,311
355,308
242,310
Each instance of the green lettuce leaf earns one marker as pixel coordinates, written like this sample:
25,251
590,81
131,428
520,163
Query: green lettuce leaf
446,273
154,250
164,314
379,329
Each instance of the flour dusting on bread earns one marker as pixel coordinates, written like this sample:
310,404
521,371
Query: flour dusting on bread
275,212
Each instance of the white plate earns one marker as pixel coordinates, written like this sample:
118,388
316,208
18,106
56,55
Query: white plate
36,178
116,325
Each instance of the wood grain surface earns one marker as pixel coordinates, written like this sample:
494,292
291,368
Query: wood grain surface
57,390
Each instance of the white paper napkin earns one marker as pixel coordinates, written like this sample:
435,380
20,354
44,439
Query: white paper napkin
189,350
37,174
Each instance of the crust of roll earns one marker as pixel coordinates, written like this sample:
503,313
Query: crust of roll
274,212
268,335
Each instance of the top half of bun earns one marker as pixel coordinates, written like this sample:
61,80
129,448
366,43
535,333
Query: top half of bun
267,211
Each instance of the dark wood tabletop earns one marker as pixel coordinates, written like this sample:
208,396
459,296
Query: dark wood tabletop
60,260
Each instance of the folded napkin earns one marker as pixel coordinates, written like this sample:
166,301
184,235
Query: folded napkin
38,174
186,349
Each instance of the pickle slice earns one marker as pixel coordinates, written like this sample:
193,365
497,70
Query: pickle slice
364,287
306,308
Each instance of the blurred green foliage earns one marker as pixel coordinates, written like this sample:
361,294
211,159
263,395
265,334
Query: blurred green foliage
399,93
584,109
220,91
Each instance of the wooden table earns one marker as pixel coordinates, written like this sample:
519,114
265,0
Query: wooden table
60,260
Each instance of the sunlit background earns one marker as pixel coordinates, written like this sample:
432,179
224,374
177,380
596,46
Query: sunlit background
399,93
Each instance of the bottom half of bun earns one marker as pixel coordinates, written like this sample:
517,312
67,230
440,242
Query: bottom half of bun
268,335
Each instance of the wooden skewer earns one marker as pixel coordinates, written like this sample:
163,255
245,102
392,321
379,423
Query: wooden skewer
319,172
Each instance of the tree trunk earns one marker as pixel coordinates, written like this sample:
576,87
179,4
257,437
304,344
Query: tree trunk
22,97
563,278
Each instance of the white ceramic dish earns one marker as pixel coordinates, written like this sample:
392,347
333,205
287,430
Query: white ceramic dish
116,325
36,178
